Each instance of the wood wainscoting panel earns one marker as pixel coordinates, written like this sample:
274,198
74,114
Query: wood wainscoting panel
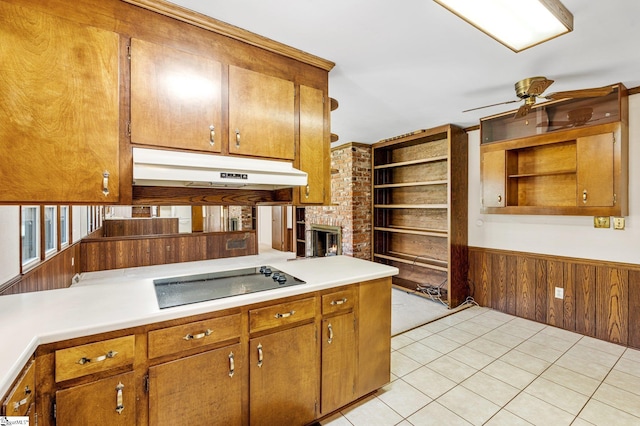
526,287
585,308
601,298
634,308
612,304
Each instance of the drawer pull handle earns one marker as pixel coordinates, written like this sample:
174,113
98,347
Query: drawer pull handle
259,354
584,196
212,135
232,365
198,336
105,183
237,138
339,302
85,360
330,328
119,403
285,315
23,401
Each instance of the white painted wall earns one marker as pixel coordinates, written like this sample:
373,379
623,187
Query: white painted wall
9,242
571,236
264,225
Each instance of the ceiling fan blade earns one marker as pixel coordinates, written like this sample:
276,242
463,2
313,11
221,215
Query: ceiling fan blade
538,86
583,93
522,111
487,106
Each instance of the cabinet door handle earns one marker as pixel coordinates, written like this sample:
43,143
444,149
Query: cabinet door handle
198,336
232,365
85,360
119,403
259,354
285,315
23,401
105,183
339,301
499,198
237,138
212,135
307,191
330,328
584,196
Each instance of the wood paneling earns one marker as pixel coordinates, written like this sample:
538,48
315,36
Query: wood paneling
55,272
601,299
126,252
142,226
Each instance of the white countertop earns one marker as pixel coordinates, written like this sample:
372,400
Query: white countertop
112,300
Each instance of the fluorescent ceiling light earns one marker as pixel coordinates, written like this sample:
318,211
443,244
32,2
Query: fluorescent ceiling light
518,24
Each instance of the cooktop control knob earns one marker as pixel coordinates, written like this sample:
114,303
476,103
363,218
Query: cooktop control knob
281,279
267,272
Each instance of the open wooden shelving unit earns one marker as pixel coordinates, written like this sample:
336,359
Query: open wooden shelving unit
301,242
420,210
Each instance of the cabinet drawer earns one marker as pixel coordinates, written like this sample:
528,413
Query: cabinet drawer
281,314
21,396
338,301
198,334
93,358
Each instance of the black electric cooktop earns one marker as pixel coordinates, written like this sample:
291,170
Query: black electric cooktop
177,291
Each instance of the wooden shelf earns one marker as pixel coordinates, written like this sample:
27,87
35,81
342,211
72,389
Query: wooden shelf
413,231
434,264
411,162
409,184
410,206
560,172
416,221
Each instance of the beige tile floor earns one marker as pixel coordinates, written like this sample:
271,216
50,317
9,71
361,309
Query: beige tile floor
483,367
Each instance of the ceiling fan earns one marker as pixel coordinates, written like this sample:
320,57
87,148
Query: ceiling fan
529,89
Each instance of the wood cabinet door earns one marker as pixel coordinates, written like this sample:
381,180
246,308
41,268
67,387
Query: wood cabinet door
493,178
595,170
59,109
203,389
374,335
261,115
110,401
175,98
338,362
283,377
314,147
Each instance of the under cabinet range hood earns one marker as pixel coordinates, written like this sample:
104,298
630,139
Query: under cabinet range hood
154,167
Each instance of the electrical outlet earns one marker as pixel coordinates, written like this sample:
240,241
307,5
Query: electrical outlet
618,223
601,222
559,293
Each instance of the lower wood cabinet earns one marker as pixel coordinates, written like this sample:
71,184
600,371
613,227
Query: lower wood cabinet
285,362
339,350
203,389
283,377
110,401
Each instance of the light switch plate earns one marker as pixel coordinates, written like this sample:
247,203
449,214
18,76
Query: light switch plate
618,223
601,222
559,293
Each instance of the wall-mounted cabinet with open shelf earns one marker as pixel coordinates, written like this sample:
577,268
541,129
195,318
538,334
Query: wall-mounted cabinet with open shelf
568,157
420,209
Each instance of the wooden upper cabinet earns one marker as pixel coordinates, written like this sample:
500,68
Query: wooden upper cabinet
175,98
595,170
261,115
59,109
314,147
493,179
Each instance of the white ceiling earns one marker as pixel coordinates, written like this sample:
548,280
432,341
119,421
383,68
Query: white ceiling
410,64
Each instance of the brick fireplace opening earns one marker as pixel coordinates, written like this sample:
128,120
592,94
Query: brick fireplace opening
350,209
326,240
